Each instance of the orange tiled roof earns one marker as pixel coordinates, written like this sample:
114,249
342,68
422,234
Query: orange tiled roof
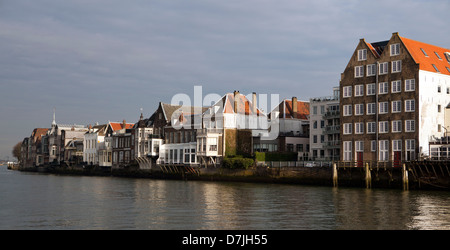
426,61
118,125
302,110
244,105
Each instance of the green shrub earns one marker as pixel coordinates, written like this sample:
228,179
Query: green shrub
237,163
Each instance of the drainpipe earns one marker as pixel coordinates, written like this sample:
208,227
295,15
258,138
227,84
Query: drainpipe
376,109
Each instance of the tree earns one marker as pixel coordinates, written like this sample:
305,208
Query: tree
16,152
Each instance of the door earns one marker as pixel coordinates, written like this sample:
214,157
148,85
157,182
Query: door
359,159
397,158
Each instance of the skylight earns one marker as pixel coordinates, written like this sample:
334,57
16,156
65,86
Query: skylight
425,53
435,68
447,55
438,56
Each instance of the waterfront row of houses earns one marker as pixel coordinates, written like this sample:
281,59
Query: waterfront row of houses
391,105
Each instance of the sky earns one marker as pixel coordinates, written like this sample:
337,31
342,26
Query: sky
103,60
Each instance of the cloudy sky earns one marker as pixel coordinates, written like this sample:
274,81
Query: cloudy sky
100,60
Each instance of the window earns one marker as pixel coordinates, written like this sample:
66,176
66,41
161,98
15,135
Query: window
371,70
371,127
396,86
212,144
315,110
359,90
359,71
371,108
314,138
410,150
396,126
373,146
410,126
322,123
396,145
439,128
423,51
347,110
347,150
371,89
359,128
315,124
409,105
359,146
395,49
383,68
439,89
410,85
383,127
439,108
384,150
362,54
448,69
396,66
347,91
438,56
435,68
396,106
383,108
347,128
359,109
383,88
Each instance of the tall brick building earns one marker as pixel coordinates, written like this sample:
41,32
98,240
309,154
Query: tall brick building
392,99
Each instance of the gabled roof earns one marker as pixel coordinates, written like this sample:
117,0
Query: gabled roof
244,106
431,58
38,133
286,110
119,125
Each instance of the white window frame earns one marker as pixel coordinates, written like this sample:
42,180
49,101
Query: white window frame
359,128
383,108
347,110
371,108
410,105
359,146
396,106
359,71
359,90
410,126
347,155
396,145
362,54
395,49
373,145
396,66
410,85
383,127
410,149
396,126
359,109
396,86
347,91
348,128
383,88
371,90
371,127
371,69
383,154
383,68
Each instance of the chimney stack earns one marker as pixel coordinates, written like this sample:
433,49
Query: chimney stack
236,96
124,124
254,104
294,107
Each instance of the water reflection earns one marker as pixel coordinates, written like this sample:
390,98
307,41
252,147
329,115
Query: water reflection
36,201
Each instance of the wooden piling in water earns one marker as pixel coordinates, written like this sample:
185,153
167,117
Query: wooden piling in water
405,178
335,175
368,177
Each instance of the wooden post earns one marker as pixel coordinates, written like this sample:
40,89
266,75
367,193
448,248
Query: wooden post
368,176
335,175
405,177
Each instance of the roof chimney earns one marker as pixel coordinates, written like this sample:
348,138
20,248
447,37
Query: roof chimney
294,107
236,96
254,104
124,124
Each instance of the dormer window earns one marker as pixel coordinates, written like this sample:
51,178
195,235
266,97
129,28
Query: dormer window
438,56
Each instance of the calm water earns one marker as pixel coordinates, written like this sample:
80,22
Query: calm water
39,201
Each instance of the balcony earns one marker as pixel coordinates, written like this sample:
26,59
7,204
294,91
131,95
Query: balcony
335,129
332,114
206,131
332,144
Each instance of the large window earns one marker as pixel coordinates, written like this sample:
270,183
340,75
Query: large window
383,150
347,150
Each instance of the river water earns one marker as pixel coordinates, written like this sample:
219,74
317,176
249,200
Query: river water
44,201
